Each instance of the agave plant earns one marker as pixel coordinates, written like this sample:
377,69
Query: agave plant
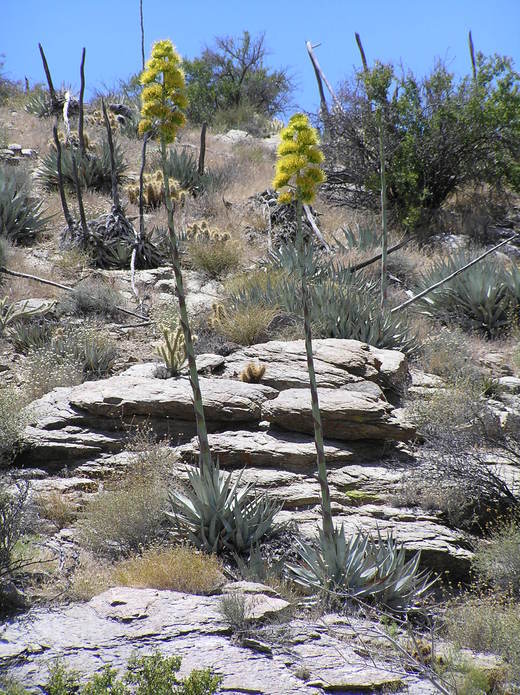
364,568
484,297
94,169
21,215
217,514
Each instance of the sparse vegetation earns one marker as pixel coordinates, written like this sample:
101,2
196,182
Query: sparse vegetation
178,569
92,296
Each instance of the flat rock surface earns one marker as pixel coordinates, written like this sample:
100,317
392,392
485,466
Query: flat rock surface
275,449
122,621
338,363
346,415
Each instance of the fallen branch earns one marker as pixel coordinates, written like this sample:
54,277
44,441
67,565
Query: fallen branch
449,277
374,259
67,288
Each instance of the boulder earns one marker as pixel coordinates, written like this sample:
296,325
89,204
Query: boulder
280,450
123,621
346,415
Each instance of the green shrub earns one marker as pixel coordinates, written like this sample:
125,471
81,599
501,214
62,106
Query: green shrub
484,298
12,422
94,170
144,675
487,624
440,132
121,522
215,258
21,215
92,296
497,559
216,514
362,568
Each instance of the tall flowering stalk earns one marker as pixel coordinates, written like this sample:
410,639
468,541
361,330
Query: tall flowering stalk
298,176
163,107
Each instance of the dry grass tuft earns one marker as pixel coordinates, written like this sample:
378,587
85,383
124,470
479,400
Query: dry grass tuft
177,569
245,325
58,508
215,258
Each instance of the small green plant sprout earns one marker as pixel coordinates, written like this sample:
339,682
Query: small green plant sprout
173,350
252,373
298,176
163,104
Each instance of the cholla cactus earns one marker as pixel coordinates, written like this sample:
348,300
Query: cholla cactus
96,119
200,232
153,190
298,171
164,94
298,175
218,317
173,351
252,373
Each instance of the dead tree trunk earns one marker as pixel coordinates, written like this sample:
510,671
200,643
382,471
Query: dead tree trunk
202,152
81,97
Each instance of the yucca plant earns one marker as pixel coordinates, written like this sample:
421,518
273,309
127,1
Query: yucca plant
363,568
21,215
30,335
483,298
39,104
217,514
87,347
94,168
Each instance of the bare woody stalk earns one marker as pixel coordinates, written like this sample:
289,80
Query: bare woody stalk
202,432
384,229
303,250
81,136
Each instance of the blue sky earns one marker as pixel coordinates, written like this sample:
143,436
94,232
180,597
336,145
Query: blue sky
413,32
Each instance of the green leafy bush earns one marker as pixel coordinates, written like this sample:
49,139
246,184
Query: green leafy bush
119,522
232,78
21,214
362,568
440,133
92,296
497,560
94,170
144,675
484,298
216,514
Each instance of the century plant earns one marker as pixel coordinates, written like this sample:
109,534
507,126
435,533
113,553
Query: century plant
216,514
163,112
21,215
364,568
298,176
15,312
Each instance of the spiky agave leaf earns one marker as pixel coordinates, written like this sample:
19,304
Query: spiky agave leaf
364,568
217,513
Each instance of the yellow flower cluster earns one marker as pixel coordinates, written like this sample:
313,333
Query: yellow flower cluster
298,171
163,98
